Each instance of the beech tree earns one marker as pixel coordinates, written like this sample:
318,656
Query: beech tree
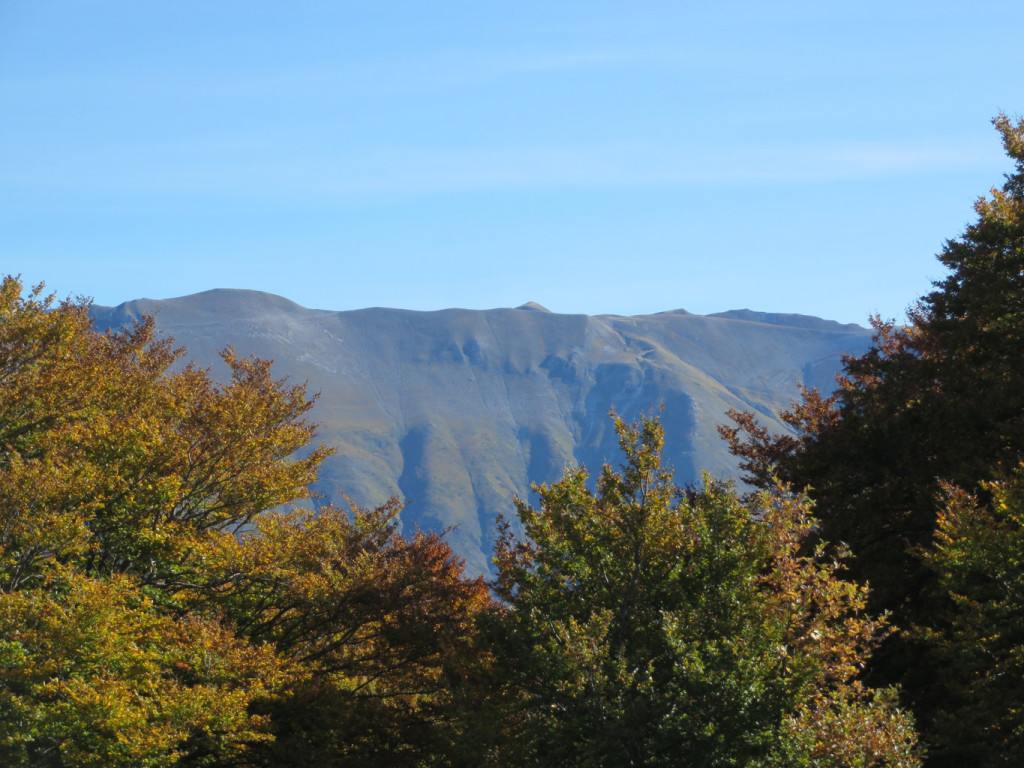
92,673
157,606
939,401
645,625
110,461
378,629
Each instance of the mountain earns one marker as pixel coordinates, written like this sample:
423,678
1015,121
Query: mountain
458,411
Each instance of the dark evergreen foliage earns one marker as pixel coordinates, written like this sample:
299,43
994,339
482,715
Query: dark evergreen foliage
940,401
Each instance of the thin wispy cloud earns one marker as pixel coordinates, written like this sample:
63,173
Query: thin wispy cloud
326,76
246,168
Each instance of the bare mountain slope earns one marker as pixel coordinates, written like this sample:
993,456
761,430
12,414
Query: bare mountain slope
458,411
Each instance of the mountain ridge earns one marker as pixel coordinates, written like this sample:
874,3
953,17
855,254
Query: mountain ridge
746,314
458,410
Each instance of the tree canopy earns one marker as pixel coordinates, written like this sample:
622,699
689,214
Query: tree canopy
153,612
938,402
162,602
646,625
979,643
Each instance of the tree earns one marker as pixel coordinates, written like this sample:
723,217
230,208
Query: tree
157,606
938,401
980,644
379,630
92,673
111,461
649,626
115,472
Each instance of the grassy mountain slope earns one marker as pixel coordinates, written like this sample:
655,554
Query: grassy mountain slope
459,410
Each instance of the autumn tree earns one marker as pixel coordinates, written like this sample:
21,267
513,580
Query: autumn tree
92,673
157,606
645,625
379,630
112,462
938,401
114,472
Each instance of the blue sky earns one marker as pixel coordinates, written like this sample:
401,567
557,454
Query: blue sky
596,157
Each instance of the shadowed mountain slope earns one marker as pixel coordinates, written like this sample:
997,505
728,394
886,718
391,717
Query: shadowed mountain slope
457,411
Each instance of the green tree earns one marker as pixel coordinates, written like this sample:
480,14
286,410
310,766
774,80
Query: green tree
980,644
940,400
649,626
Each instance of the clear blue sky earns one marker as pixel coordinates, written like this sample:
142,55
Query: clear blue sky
595,157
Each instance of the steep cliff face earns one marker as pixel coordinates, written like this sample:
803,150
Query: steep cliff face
458,411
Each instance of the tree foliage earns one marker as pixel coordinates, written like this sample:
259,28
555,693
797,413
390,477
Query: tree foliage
151,614
93,674
379,628
649,626
980,644
939,401
110,461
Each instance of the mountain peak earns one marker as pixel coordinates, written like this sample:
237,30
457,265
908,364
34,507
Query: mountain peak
533,306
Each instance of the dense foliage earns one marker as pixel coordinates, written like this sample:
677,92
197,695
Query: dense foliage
152,615
162,605
938,403
980,643
648,626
